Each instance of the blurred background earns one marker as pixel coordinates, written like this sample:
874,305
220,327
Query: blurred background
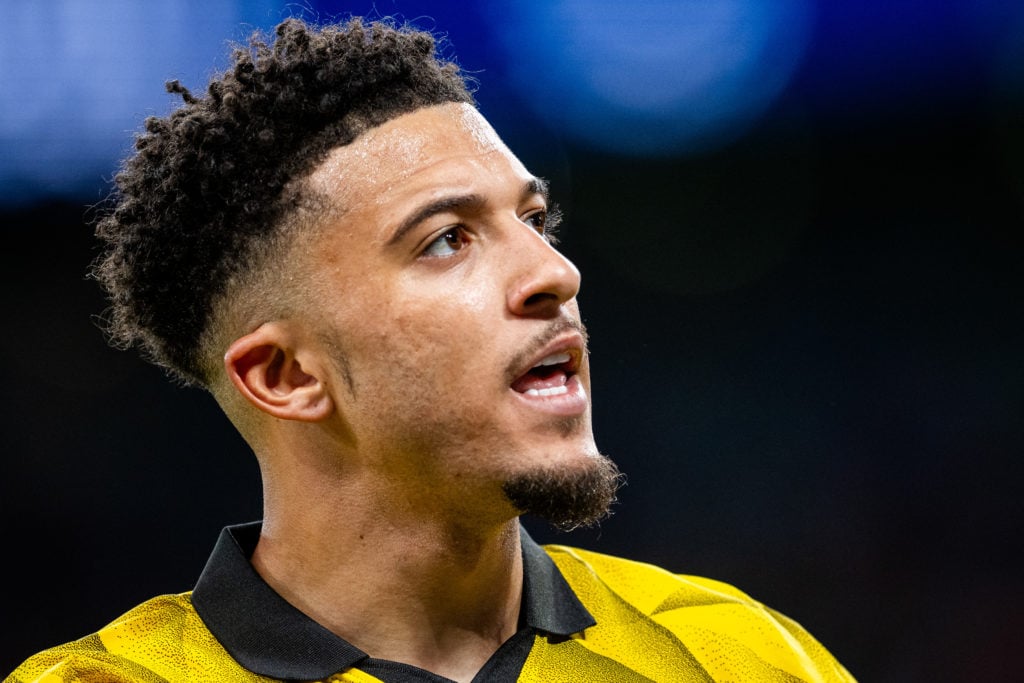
799,227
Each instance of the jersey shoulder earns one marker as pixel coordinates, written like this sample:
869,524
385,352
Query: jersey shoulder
648,587
159,640
732,635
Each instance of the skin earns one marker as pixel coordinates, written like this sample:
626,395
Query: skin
385,421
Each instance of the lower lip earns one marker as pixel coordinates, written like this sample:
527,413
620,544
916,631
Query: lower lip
572,402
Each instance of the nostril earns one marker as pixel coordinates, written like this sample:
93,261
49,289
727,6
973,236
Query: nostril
539,298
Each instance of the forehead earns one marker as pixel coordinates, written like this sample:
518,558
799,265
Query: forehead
431,144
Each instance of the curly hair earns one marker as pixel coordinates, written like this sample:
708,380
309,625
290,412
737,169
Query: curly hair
216,181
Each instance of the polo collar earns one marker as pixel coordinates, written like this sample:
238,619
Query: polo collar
270,637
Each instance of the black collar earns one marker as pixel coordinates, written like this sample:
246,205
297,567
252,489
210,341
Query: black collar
270,637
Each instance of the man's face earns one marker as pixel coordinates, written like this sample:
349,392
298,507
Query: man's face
459,357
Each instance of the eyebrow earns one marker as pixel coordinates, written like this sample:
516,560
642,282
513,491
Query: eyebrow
459,202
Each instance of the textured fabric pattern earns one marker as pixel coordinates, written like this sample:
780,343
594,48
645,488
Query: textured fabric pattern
163,639
651,626
659,626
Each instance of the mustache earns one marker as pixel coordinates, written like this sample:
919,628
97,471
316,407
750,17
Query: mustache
545,337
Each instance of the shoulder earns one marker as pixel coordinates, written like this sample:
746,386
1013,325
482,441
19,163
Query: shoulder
153,641
731,634
647,587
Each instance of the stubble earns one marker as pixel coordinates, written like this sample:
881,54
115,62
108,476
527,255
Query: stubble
567,498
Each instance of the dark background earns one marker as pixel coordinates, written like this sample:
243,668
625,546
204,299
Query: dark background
806,351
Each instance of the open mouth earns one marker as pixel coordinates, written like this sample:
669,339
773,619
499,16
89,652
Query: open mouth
549,377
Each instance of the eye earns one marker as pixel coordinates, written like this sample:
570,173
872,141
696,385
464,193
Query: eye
546,223
447,243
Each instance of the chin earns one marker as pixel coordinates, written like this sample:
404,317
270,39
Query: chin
571,493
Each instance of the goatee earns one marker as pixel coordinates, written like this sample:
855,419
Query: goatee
568,498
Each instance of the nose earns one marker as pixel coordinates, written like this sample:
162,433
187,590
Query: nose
542,280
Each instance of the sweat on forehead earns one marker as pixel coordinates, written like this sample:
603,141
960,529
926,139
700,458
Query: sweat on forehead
395,149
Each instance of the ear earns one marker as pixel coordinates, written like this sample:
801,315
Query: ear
265,368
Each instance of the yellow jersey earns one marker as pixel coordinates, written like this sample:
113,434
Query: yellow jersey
586,617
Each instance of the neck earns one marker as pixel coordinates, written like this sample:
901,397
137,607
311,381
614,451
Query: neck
440,592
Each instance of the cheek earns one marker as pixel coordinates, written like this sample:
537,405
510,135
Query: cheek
441,342
427,335
448,346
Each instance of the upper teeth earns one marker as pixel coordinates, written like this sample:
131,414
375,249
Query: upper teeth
554,359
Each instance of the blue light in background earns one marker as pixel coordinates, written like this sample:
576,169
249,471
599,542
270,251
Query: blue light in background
78,78
651,78
879,57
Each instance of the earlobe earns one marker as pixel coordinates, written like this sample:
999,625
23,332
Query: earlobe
264,367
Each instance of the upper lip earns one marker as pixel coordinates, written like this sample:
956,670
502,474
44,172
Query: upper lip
569,341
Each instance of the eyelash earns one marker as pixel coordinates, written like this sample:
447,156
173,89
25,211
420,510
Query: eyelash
545,222
457,230
549,220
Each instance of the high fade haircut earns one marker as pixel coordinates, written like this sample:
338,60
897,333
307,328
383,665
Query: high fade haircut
214,186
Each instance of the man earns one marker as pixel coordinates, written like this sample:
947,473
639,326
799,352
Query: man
339,247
